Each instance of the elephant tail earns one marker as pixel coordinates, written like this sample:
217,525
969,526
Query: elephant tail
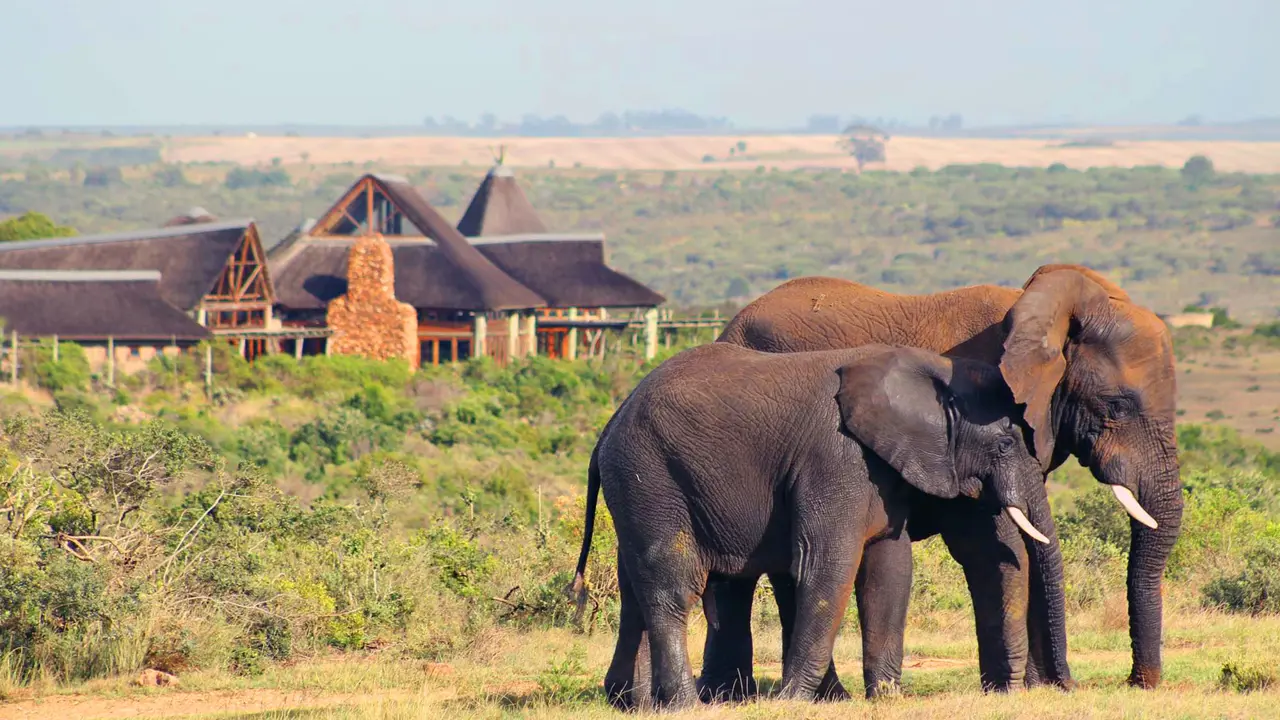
579,587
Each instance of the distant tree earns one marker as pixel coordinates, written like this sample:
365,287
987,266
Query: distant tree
240,178
170,176
608,123
742,146
77,174
1058,168
32,226
103,176
865,143
1198,170
737,288
488,123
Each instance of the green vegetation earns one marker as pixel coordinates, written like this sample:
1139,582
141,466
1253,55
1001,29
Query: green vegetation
1170,236
338,505
32,226
353,509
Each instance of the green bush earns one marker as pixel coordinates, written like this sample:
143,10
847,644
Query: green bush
1256,589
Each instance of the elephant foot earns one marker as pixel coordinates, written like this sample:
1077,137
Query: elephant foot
831,689
1003,686
727,690
1065,684
626,695
1147,678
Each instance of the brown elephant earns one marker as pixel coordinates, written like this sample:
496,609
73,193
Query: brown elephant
1095,373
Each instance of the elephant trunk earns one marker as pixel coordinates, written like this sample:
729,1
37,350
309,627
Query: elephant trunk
1149,548
1048,601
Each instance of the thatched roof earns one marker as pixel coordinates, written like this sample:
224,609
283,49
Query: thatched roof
567,270
486,287
500,207
188,257
442,270
94,305
314,271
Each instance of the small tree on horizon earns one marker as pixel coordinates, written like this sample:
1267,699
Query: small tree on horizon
866,144
1198,170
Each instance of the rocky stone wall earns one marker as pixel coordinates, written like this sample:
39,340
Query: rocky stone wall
368,320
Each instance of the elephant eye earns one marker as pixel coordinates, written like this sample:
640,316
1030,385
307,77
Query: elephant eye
1120,407
1005,444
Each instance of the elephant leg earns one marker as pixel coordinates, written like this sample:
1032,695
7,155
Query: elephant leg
821,597
883,589
784,592
990,550
626,683
727,672
666,586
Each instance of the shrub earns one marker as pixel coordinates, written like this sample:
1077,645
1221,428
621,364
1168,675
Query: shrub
69,372
1246,677
1256,589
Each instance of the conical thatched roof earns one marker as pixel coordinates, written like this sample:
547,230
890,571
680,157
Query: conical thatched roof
500,207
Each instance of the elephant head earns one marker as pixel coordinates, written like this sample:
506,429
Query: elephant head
944,424
1095,372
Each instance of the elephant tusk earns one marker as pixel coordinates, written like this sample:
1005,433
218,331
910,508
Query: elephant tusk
1131,506
1025,525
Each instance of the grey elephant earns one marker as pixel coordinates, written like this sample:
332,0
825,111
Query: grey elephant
1094,372
727,462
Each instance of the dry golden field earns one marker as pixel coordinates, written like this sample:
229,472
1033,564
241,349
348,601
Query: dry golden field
690,153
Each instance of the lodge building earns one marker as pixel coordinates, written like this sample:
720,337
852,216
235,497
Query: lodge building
381,273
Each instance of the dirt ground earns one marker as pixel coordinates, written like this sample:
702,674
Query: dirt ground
714,152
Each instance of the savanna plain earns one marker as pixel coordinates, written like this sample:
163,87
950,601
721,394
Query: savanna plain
341,538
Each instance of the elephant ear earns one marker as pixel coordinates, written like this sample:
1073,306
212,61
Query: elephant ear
1056,301
898,404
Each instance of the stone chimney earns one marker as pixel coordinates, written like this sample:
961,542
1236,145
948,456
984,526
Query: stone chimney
368,320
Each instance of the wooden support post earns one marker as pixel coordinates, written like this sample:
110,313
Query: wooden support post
513,335
208,368
111,361
571,349
650,333
13,359
328,345
297,348
55,348
531,334
479,335
242,348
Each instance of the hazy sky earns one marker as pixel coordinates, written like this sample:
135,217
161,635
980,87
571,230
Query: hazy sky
761,63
